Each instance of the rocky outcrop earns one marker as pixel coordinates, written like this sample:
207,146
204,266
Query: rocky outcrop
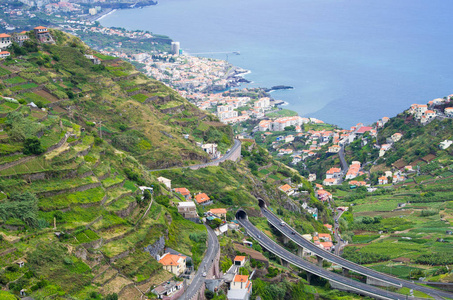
157,248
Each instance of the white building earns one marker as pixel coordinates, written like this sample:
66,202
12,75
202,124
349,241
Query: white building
165,181
240,288
175,48
262,104
210,149
5,40
445,144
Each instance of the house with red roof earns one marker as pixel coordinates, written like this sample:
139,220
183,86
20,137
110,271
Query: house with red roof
219,212
202,199
363,129
240,288
173,263
448,111
239,260
396,137
326,245
4,54
184,192
287,189
353,170
323,195
330,181
5,41
326,237
43,35
20,37
333,173
383,180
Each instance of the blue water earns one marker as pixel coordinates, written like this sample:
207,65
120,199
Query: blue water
350,61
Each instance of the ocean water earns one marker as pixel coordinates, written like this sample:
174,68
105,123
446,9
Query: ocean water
349,61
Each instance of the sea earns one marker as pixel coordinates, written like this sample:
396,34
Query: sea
349,61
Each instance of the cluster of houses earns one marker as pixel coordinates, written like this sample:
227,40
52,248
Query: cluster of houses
322,240
425,113
227,108
6,40
279,124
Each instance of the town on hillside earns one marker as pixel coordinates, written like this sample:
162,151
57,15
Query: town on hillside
201,228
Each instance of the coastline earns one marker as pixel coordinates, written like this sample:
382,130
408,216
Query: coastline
105,14
236,76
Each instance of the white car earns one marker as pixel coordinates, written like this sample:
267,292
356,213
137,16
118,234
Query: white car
204,274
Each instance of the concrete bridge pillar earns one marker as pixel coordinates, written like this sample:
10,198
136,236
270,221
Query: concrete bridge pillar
345,272
285,263
300,251
319,259
285,239
309,277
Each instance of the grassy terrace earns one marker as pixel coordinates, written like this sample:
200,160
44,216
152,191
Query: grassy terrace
148,232
121,203
415,233
67,200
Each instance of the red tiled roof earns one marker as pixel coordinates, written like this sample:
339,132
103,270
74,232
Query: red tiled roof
170,259
241,278
182,191
364,129
285,187
200,198
218,211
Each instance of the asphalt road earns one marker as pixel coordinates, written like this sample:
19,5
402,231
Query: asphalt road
299,240
205,265
293,259
343,162
237,144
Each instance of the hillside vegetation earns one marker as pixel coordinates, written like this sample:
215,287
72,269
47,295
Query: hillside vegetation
72,162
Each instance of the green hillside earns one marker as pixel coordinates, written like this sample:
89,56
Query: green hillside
71,165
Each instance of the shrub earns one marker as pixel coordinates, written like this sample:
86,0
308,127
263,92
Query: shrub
33,146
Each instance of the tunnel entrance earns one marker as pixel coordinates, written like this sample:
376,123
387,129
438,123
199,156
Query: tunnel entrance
240,214
261,203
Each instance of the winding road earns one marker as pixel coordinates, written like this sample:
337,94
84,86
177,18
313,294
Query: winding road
299,240
215,162
198,280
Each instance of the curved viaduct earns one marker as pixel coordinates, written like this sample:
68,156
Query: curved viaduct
336,280
373,277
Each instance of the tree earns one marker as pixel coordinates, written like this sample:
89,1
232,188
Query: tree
33,146
113,296
209,294
216,223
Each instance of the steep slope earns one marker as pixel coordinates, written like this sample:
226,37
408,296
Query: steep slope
71,165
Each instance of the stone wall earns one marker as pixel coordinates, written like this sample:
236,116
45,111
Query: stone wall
157,248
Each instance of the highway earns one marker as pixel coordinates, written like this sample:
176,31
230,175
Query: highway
216,161
205,265
299,240
271,246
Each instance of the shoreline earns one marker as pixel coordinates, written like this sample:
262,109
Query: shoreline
105,14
